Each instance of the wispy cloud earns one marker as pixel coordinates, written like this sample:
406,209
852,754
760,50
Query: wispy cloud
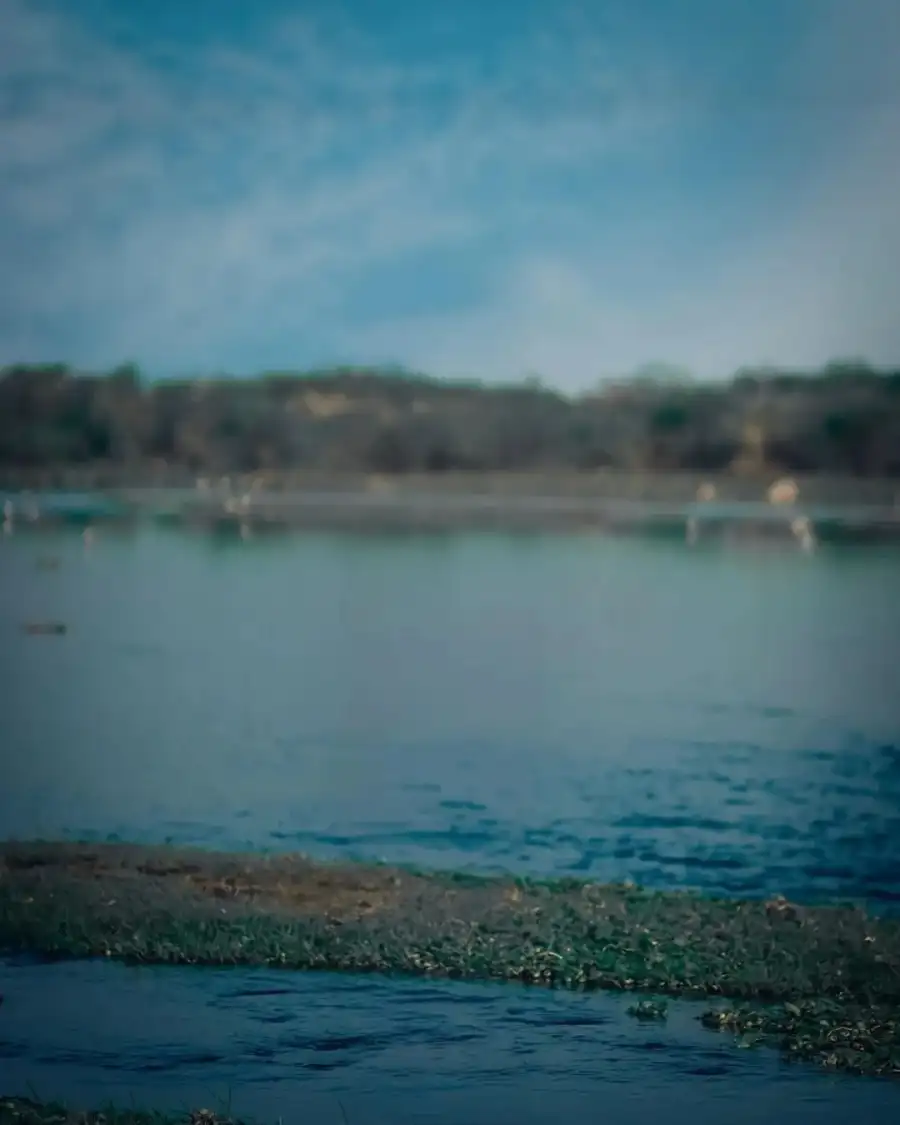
232,203
817,279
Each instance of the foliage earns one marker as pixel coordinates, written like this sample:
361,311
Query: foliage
844,419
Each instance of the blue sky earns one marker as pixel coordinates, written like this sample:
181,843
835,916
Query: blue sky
468,188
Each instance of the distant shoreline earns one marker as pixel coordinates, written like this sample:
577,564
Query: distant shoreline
673,487
826,509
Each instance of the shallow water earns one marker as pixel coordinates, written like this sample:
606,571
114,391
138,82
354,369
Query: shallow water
714,718
313,1047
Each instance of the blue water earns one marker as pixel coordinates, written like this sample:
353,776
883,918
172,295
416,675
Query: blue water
714,718
315,1047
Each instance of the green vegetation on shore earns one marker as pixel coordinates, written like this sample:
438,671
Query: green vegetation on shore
843,420
28,1111
822,983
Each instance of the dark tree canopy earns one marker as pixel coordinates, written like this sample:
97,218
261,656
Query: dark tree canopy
844,419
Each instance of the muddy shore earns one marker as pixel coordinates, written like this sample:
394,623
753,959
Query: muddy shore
820,982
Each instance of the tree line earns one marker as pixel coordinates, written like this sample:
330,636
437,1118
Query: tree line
843,419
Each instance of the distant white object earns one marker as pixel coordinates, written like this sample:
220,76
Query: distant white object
784,491
802,529
692,530
706,492
202,484
234,505
8,510
88,536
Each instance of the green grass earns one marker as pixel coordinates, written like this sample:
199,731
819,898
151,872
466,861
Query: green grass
32,1111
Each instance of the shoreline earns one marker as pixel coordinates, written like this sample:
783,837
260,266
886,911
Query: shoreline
30,1111
738,513
821,983
675,487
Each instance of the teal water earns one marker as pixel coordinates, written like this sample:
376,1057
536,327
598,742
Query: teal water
312,1047
715,718
724,719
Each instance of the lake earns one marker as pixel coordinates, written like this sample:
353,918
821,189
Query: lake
719,718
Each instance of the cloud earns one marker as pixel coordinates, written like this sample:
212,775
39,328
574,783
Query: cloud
159,206
216,205
816,280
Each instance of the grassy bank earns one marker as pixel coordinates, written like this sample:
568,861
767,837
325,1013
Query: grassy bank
26,1111
820,982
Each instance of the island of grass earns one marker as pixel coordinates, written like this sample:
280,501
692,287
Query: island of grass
820,982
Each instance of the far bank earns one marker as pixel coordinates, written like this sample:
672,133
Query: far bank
692,507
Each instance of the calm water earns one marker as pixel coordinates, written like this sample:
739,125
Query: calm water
715,718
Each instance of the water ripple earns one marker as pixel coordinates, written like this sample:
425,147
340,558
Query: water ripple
603,709
388,1048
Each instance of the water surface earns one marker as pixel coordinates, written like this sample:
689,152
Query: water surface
315,1047
714,718
723,719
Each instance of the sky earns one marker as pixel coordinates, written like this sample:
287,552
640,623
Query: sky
469,189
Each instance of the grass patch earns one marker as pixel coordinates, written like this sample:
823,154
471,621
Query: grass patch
820,982
27,1111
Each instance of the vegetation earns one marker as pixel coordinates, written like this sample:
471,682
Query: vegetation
821,983
842,420
28,1111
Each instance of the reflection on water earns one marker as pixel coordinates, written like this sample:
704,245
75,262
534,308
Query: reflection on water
304,1047
612,708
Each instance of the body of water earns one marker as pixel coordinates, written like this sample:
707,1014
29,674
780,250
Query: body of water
323,1048
611,708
